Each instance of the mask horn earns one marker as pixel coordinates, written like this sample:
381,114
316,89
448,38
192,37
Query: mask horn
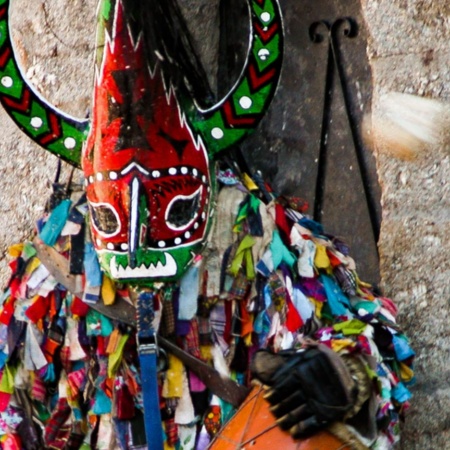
49,127
239,112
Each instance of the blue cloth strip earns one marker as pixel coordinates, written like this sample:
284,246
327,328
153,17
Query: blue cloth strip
55,223
189,291
92,266
152,414
148,359
337,300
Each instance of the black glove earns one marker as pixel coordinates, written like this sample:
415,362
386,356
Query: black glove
309,388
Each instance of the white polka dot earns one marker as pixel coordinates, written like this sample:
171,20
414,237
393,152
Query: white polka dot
245,102
113,176
184,170
263,54
7,82
99,242
187,235
110,246
156,174
196,225
217,133
203,215
177,241
36,122
91,179
204,179
265,17
161,244
99,176
70,143
194,172
124,246
172,171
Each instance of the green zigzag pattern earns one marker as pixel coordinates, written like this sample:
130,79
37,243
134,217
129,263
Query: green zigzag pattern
238,114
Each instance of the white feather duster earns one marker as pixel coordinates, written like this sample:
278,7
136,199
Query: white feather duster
405,125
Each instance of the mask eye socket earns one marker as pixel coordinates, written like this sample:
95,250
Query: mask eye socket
105,219
182,210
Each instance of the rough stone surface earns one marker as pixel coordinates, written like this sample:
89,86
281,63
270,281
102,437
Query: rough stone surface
408,50
55,41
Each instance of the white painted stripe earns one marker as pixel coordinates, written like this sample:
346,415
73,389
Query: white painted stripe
132,166
134,213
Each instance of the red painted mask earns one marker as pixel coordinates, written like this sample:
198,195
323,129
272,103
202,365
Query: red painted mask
148,181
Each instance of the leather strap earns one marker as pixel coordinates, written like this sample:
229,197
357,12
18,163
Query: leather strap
147,348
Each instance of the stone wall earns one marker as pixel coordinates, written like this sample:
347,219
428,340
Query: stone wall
55,41
408,53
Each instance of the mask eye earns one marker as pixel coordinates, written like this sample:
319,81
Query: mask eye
182,210
105,219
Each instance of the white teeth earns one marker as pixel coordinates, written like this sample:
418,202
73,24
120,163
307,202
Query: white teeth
173,171
160,270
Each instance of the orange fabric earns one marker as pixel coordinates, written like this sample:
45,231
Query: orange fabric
253,424
334,260
247,320
108,386
49,349
113,342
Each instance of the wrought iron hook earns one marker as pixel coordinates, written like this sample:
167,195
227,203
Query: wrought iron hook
314,33
348,28
347,25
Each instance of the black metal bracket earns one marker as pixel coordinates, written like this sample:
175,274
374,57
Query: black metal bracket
333,32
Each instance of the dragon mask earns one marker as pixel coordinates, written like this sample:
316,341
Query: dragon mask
148,152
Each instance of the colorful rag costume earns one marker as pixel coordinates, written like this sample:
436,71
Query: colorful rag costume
268,278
